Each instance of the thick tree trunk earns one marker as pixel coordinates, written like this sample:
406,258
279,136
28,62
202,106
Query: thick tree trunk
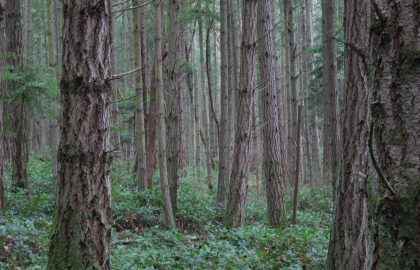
396,118
173,100
331,134
235,210
168,213
17,113
224,167
349,244
273,145
81,229
139,116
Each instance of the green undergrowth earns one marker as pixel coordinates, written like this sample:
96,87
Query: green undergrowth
140,241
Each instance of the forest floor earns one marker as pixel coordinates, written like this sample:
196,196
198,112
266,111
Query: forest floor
139,241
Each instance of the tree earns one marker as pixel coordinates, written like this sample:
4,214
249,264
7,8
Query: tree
81,229
329,80
139,121
273,145
168,213
395,117
2,88
235,210
224,167
173,100
18,117
349,244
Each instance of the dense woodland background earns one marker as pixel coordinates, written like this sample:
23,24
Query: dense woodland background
242,134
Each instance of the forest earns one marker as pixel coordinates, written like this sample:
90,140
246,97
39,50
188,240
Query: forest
200,134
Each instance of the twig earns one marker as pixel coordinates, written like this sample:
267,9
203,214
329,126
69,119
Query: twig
129,8
118,76
376,165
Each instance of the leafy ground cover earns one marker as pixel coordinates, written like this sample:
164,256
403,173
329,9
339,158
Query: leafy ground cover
139,241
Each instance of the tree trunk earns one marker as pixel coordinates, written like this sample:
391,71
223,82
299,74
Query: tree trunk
224,168
205,111
168,214
298,144
273,145
235,210
349,244
139,120
396,117
17,113
81,234
152,129
331,134
2,88
173,100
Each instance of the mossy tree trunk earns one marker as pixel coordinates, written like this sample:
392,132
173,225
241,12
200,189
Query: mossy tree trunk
396,118
81,229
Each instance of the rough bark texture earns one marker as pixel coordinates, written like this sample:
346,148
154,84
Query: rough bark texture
349,244
331,134
139,117
2,88
396,118
17,112
297,166
224,168
168,214
235,210
151,130
273,145
205,110
173,100
81,229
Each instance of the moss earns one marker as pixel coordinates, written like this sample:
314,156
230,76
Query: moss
412,52
394,137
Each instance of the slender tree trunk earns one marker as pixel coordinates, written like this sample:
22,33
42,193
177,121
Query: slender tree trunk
235,210
168,213
224,168
174,89
152,129
54,125
2,89
273,145
331,134
349,245
206,113
396,118
298,144
139,120
81,235
17,113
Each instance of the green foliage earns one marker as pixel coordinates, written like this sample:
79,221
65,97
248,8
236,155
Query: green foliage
140,241
36,87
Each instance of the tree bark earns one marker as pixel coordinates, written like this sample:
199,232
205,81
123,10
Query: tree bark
2,89
273,145
224,167
331,134
396,117
205,111
81,229
139,116
17,111
297,167
235,210
173,100
349,244
168,213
